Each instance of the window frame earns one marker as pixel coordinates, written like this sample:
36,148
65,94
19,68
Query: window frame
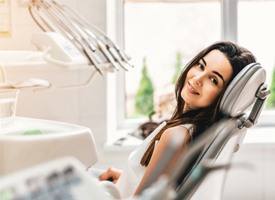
229,20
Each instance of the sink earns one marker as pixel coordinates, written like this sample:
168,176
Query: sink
27,141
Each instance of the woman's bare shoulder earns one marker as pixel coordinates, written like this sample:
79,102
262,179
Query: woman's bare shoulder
177,129
181,131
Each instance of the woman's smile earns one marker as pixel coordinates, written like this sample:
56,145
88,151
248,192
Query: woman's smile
191,89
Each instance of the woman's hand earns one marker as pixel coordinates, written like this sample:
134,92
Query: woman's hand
112,174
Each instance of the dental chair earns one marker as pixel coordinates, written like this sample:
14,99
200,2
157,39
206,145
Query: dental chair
201,171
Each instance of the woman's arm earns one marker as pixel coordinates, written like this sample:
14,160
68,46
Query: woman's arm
180,133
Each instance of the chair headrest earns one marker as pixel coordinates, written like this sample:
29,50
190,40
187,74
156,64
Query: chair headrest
241,92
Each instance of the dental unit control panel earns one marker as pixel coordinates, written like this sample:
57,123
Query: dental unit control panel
58,179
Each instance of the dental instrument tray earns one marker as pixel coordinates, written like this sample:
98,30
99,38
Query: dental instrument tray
25,142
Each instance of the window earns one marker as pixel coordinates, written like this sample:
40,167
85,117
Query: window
162,35
256,32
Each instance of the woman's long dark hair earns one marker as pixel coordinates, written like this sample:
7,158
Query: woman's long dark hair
202,118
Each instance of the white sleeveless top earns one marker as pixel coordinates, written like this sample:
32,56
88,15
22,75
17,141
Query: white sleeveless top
134,171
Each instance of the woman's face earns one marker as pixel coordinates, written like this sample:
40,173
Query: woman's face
206,80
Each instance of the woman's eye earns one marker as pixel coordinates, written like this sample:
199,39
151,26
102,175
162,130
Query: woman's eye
201,66
214,80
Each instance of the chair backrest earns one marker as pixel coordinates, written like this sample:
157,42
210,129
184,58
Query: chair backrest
241,105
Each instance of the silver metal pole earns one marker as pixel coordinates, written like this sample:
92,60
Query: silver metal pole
229,20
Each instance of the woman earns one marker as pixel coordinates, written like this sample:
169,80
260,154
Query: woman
199,90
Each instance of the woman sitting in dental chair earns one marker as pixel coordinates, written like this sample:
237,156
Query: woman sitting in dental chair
199,90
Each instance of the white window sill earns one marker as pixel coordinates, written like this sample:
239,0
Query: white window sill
260,135
122,142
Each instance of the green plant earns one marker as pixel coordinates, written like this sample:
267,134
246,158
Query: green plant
178,67
144,99
271,98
